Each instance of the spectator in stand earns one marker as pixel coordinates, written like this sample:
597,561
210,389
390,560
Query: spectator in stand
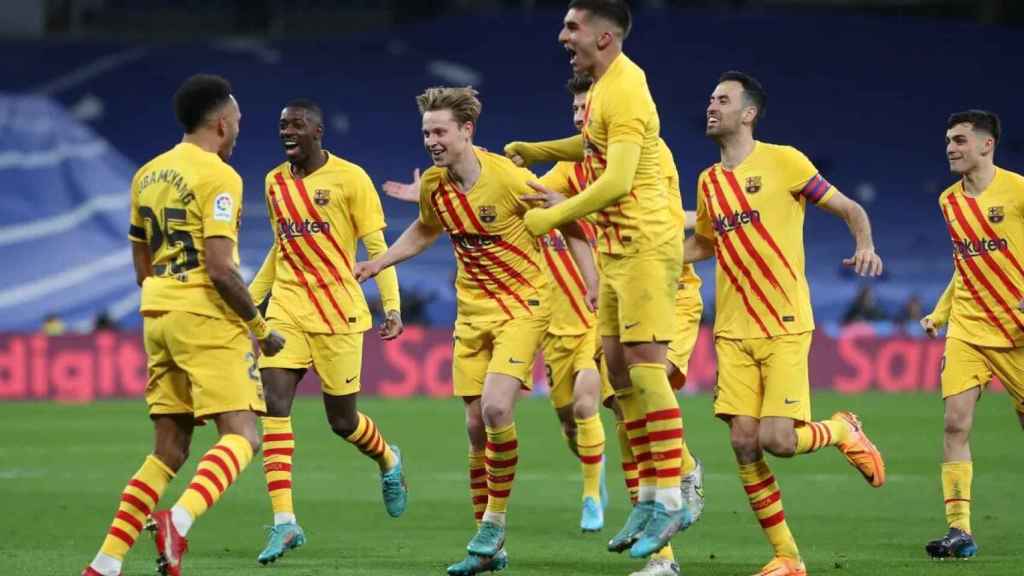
53,325
911,313
104,323
865,307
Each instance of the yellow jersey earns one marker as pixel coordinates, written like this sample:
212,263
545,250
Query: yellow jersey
620,109
317,221
688,277
987,232
179,199
500,275
569,313
755,216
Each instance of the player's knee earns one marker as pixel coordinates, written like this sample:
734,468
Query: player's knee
744,442
496,413
279,403
776,444
343,424
584,407
255,442
956,423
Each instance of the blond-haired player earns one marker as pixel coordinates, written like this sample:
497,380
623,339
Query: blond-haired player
503,297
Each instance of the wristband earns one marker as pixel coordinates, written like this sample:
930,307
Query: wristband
258,326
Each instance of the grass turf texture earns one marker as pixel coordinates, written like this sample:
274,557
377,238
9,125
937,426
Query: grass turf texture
62,469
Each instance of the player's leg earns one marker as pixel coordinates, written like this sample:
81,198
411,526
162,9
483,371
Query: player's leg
216,354
477,433
738,401
559,372
590,442
280,375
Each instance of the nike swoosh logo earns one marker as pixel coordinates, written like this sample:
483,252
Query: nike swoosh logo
349,380
788,401
630,325
514,361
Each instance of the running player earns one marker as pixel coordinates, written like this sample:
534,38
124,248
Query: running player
503,299
197,316
750,214
319,206
983,305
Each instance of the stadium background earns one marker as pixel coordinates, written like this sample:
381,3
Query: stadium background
863,88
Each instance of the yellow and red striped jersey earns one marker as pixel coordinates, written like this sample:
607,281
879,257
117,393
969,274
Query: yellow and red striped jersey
179,199
675,205
500,275
317,221
755,216
620,109
569,313
987,232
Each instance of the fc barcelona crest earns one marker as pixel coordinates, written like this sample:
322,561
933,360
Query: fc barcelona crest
753,185
995,214
321,197
488,214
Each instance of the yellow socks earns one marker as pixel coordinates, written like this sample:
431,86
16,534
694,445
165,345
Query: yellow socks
664,430
478,484
138,500
218,469
766,502
629,468
956,490
368,440
501,456
590,444
278,448
811,436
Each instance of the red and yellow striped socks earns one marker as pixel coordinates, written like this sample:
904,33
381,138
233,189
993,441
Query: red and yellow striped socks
138,500
218,469
278,448
766,502
478,484
368,440
664,430
500,457
590,445
812,436
635,423
629,467
956,491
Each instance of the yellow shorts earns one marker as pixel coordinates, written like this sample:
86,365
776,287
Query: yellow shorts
965,366
200,365
564,357
337,358
689,307
499,346
761,377
638,294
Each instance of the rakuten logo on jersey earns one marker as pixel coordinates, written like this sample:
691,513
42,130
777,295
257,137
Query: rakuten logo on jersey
968,248
724,224
292,229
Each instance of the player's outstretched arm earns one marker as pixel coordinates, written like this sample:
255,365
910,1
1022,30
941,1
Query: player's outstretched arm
864,260
939,317
527,153
402,191
387,285
614,184
416,238
143,261
697,248
261,284
579,247
227,280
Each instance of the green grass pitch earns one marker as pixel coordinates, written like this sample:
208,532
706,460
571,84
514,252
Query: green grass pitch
62,469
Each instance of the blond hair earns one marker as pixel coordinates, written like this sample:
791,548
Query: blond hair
461,101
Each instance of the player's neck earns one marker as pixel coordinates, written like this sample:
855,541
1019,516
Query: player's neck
202,140
977,180
314,162
465,171
604,62
735,149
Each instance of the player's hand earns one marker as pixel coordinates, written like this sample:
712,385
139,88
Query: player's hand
591,299
865,262
392,326
929,327
405,192
546,198
517,153
272,344
363,271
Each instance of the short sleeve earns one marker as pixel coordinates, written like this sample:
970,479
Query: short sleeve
804,179
136,224
222,206
628,108
427,214
704,226
364,205
559,179
519,187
